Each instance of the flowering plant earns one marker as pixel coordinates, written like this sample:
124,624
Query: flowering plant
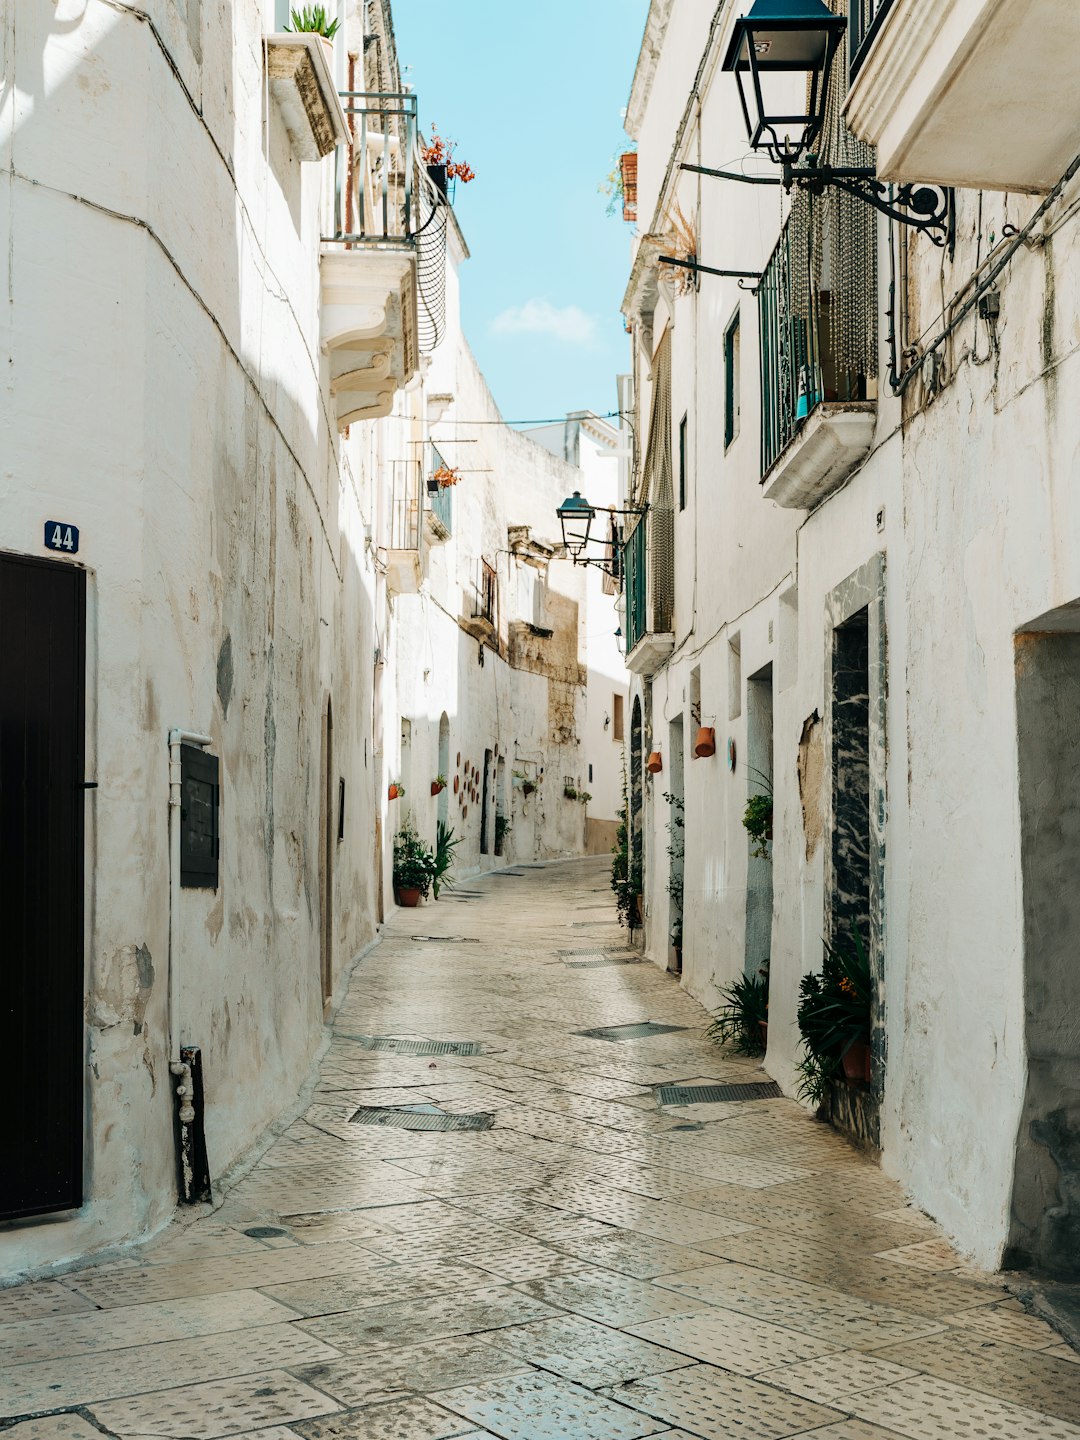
445,476
440,151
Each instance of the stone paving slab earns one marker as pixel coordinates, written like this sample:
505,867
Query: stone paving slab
591,1268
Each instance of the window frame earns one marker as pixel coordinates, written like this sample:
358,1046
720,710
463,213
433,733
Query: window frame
733,378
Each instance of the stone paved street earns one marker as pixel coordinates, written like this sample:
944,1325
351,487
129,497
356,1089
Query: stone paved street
590,1266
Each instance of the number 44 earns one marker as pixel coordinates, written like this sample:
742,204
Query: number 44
62,538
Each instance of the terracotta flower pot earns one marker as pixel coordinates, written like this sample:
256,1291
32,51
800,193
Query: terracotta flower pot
410,899
705,744
393,792
436,788
763,1026
856,1061
655,763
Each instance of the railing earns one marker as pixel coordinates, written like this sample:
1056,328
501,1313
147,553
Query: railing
405,507
442,506
799,366
376,173
635,577
865,19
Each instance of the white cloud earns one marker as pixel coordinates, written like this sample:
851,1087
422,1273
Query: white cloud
540,317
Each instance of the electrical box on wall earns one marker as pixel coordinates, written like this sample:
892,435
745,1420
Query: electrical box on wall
200,803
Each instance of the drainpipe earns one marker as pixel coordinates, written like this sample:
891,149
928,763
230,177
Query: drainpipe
177,1065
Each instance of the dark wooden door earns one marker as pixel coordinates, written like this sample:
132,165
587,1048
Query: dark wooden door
42,692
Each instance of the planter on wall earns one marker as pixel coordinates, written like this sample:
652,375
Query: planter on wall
856,1062
393,792
655,763
705,744
436,788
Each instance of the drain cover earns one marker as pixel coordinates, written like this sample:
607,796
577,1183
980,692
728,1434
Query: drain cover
715,1094
599,960
446,939
641,1031
264,1232
416,1047
419,1118
632,956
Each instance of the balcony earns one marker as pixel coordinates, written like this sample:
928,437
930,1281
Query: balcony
439,515
403,563
383,265
648,560
482,617
818,358
970,93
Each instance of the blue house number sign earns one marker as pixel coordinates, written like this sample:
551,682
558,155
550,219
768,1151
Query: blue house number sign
59,535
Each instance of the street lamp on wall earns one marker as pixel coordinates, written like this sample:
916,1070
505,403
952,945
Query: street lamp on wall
779,44
781,55
575,517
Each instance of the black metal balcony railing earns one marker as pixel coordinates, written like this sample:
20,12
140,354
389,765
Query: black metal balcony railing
375,178
405,507
636,583
800,366
865,19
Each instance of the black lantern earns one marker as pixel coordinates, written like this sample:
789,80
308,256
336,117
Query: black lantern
781,53
575,511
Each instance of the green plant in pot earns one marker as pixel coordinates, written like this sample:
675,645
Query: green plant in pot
834,1014
740,1019
312,20
414,866
758,817
445,845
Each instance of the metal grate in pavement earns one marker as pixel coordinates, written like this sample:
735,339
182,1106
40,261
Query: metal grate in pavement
419,1118
415,1047
599,950
716,1094
599,959
642,1030
445,939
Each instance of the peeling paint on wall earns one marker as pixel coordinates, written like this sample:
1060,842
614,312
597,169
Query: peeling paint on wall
811,768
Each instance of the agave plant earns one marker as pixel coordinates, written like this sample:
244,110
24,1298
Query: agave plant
445,845
312,20
738,1021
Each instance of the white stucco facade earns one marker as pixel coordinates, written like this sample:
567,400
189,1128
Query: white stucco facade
169,390
951,539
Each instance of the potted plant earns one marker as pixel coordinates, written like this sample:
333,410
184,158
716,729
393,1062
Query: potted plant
396,790
527,787
757,821
584,796
739,1020
438,156
569,791
834,1014
313,20
676,852
445,845
414,867
445,476
438,785
502,829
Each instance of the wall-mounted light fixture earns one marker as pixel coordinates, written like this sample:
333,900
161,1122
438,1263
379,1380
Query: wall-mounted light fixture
781,55
575,517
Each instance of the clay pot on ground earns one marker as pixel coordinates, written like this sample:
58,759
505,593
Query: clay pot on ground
410,899
856,1062
655,763
705,744
636,912
763,1026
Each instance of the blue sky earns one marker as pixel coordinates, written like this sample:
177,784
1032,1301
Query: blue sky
534,95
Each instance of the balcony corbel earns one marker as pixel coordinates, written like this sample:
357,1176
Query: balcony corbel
299,74
369,329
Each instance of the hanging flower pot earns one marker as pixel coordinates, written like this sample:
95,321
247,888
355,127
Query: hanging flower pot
438,786
395,791
437,176
856,1062
655,763
705,744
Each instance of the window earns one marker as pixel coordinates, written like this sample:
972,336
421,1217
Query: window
682,463
617,722
731,381
199,835
488,596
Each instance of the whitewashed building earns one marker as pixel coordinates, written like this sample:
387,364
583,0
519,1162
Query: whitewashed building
231,612
860,569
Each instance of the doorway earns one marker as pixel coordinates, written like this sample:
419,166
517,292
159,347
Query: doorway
329,831
759,781
1045,1220
484,803
676,845
42,801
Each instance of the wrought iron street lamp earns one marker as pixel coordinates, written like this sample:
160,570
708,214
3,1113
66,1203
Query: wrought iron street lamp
781,55
576,516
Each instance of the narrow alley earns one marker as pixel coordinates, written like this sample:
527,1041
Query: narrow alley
491,1217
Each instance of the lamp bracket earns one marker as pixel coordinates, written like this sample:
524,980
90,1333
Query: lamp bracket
927,208
697,269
